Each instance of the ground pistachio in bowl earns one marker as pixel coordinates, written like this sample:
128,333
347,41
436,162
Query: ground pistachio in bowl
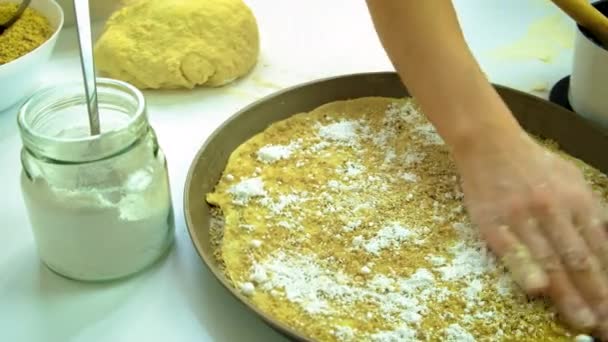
30,31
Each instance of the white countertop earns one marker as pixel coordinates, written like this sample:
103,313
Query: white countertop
178,299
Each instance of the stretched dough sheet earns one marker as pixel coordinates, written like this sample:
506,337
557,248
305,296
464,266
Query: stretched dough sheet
347,223
575,136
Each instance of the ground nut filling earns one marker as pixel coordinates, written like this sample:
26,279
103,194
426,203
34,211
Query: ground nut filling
361,235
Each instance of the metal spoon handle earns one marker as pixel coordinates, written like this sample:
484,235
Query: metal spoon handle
83,26
17,15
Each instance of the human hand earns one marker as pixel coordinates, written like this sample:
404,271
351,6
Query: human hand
538,214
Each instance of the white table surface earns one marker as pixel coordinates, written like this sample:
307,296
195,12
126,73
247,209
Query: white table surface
178,299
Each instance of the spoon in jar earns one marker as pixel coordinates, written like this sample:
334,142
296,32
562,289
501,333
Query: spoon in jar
83,26
15,17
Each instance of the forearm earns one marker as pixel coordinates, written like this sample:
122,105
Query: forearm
425,44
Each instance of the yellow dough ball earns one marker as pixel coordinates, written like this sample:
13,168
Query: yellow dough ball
168,44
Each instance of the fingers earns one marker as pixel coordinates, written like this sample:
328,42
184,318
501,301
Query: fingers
590,221
579,270
527,231
533,276
516,258
568,301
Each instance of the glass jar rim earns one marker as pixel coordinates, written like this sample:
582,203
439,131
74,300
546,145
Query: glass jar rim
85,147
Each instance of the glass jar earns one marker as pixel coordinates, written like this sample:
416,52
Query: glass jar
99,206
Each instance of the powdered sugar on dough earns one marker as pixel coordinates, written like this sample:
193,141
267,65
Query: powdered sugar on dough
343,131
247,189
389,236
273,153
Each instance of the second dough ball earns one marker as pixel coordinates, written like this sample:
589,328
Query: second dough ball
156,44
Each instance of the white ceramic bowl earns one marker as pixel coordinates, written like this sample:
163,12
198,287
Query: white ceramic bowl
20,77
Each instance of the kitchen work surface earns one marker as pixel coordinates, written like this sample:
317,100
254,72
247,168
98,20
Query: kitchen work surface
522,44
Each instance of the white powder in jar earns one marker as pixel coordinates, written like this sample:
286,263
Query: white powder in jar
102,221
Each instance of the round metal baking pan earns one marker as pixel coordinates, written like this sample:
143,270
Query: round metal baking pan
575,135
